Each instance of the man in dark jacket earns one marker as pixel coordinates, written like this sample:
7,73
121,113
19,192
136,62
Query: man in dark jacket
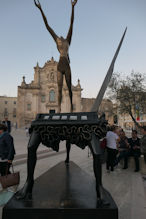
135,149
7,150
7,123
143,142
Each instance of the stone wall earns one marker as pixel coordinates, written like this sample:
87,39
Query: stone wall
8,108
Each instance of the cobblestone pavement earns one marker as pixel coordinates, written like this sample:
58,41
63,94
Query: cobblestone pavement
127,188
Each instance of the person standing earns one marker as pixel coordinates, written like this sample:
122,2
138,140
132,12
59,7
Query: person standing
143,142
123,148
7,123
27,131
7,150
112,140
134,143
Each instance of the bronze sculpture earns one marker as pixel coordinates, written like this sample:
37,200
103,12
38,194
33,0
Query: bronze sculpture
50,132
82,132
51,129
62,44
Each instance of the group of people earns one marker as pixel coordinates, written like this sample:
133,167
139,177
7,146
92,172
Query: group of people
117,144
120,147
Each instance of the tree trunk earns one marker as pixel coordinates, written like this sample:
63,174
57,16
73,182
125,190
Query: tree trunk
134,120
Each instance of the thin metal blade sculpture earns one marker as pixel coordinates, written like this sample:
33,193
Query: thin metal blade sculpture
106,81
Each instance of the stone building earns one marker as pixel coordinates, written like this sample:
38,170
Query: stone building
126,122
41,95
8,108
106,107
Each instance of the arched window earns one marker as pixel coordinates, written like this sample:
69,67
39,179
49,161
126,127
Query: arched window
5,112
52,96
29,107
43,98
14,112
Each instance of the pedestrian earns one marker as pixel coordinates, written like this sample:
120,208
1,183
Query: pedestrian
7,123
7,150
123,147
27,131
134,150
112,139
143,142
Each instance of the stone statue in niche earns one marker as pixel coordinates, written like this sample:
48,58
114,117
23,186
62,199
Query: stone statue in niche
52,77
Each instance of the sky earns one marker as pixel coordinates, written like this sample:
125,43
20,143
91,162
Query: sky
98,28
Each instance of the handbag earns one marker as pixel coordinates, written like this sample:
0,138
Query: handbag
103,143
10,179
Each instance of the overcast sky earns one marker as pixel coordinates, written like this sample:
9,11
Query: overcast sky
98,27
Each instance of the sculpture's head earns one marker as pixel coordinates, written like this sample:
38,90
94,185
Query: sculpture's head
60,39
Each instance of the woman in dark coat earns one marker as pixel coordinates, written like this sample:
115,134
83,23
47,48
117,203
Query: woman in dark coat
7,150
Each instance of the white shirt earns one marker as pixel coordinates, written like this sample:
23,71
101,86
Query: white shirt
111,138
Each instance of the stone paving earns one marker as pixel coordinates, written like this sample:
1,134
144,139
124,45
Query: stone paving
127,188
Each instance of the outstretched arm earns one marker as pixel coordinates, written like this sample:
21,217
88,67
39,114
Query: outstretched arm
69,35
38,5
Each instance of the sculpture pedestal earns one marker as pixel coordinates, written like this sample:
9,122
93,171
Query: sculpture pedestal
63,192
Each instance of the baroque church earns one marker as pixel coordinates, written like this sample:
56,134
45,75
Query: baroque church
41,95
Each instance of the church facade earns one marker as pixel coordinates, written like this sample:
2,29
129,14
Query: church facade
41,95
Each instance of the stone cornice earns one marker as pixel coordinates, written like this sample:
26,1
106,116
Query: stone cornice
29,86
54,104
